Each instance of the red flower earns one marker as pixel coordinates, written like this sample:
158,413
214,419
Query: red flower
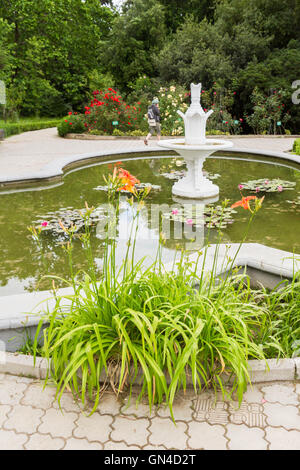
70,113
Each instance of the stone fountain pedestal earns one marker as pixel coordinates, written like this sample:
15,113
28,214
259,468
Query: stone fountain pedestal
195,148
195,184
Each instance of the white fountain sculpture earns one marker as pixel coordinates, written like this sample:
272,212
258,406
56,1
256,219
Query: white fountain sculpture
195,148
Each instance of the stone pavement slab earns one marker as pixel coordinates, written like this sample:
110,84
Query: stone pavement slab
30,418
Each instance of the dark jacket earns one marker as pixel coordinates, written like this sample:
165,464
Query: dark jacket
156,112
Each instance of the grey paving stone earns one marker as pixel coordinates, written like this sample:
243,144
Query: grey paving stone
119,446
207,409
4,409
38,396
205,436
96,427
283,416
130,430
44,442
10,440
241,437
58,424
164,431
283,394
253,394
82,444
250,414
281,439
24,419
11,392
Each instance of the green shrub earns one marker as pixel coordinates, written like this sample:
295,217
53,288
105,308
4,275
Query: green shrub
296,146
117,132
73,124
13,128
268,112
135,319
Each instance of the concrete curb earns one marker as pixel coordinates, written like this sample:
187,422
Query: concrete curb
55,170
138,137
277,369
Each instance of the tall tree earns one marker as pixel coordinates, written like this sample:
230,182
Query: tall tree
56,44
176,11
136,35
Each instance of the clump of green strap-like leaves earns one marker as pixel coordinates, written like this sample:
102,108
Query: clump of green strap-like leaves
152,327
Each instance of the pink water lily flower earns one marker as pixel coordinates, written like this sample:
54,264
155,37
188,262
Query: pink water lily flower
189,221
267,182
175,211
257,189
280,188
44,224
240,186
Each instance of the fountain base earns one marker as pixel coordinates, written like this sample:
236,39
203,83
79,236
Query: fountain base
195,185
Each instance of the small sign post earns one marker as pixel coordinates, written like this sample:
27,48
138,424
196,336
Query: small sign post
2,93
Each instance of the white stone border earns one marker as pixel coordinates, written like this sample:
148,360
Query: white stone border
275,370
56,168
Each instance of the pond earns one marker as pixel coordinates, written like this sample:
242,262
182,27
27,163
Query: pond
22,267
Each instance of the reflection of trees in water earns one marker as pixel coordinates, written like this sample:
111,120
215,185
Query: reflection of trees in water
20,257
25,260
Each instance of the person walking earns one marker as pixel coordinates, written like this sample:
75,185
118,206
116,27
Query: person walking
153,120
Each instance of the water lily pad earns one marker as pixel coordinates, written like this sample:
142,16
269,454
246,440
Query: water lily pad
70,218
212,216
296,201
178,174
267,186
138,187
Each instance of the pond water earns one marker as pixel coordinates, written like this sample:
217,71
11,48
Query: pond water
277,224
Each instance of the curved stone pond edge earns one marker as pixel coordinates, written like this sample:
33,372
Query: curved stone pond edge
54,171
139,137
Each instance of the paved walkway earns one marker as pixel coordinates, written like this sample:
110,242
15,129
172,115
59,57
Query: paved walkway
31,153
269,418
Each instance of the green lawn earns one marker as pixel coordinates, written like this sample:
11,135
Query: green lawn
28,124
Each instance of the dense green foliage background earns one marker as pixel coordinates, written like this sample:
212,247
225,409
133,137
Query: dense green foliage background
53,53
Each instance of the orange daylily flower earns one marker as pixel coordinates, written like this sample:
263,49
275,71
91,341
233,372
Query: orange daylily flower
127,180
244,202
